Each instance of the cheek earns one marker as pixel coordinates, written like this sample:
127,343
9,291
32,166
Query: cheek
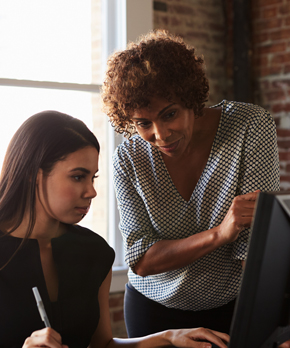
62,195
145,134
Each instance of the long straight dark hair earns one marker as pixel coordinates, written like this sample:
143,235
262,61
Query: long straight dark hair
41,141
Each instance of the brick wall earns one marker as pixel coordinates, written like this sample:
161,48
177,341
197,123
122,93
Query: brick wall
271,63
202,24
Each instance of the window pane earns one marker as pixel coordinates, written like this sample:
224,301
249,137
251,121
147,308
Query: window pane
18,103
50,40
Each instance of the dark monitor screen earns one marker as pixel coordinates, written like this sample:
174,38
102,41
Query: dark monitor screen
261,316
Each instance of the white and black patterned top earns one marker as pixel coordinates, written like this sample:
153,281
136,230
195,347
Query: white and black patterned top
243,158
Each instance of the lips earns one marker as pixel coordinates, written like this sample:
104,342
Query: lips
83,210
169,148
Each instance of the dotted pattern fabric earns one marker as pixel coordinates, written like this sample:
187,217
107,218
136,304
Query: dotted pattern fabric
243,158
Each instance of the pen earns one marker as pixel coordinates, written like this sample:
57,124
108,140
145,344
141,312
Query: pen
40,307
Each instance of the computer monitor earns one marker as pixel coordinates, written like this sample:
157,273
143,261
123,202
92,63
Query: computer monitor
261,316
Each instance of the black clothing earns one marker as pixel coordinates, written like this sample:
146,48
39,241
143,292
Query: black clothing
83,260
144,316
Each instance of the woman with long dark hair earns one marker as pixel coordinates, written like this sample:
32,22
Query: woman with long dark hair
46,188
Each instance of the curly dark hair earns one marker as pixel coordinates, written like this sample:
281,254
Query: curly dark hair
160,65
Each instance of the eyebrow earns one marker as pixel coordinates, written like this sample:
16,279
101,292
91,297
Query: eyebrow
166,107
159,113
82,169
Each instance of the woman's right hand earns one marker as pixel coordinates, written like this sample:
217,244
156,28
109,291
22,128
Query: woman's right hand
239,216
197,338
44,338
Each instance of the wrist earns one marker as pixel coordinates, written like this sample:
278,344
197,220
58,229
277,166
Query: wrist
219,237
163,338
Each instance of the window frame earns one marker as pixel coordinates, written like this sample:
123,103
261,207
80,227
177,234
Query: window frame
123,21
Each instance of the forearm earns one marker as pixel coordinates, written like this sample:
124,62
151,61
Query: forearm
168,255
176,338
155,340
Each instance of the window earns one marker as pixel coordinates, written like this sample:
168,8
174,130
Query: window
52,57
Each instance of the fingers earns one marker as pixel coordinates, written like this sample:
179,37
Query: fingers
44,338
197,338
242,209
285,345
218,338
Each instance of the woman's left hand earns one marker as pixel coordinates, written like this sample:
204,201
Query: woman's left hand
198,338
285,344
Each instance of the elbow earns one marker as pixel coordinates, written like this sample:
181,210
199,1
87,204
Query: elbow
140,270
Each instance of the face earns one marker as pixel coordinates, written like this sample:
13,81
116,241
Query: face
65,194
167,126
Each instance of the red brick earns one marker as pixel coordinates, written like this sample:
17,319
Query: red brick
285,178
272,48
261,37
287,69
281,58
164,20
284,144
264,3
276,70
264,85
204,13
277,120
116,301
270,12
197,35
281,34
185,10
275,95
283,132
267,24
279,107
283,83
284,156
175,21
216,27
285,9
287,168
218,38
118,316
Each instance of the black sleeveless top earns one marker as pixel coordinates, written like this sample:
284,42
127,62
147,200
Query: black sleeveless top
83,260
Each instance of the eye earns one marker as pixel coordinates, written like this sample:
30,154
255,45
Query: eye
144,124
78,177
170,115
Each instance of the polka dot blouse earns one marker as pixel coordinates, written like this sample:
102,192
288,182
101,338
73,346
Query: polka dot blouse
243,158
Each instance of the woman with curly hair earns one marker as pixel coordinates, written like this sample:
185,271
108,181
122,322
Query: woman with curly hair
186,182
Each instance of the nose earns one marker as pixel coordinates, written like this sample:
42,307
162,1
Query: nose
90,191
161,132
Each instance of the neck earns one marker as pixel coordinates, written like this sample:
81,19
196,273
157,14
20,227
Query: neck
43,230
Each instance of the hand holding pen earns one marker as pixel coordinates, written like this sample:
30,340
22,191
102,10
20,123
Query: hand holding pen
46,337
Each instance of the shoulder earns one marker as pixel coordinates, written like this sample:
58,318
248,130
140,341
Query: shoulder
132,155
244,110
81,240
246,116
132,147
